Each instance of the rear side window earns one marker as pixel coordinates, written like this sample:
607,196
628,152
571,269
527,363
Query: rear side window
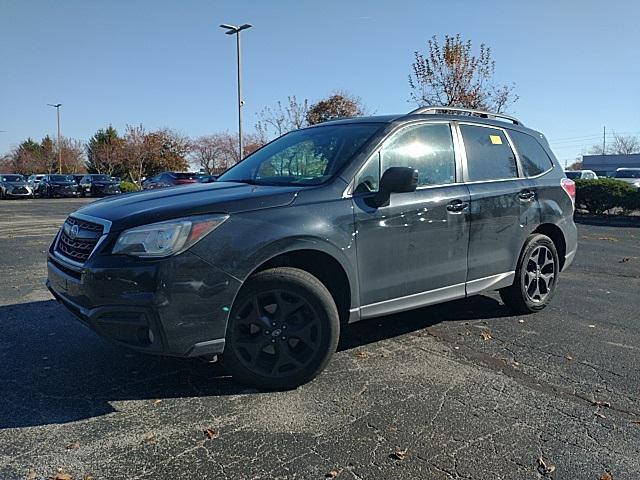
532,156
428,148
489,155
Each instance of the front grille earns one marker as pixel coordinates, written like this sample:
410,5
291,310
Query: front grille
20,190
78,247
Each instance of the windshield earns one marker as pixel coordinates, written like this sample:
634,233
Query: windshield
12,178
302,157
572,175
101,178
628,173
60,178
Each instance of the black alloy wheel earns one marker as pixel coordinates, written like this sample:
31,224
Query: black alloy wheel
282,330
536,276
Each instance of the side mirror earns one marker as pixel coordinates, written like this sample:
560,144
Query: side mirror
394,180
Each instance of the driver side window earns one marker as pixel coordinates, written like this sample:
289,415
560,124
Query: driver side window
427,148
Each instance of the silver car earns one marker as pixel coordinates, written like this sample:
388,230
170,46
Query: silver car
629,175
14,186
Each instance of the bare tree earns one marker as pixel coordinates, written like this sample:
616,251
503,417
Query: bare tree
135,152
621,145
452,75
274,122
73,155
215,153
624,145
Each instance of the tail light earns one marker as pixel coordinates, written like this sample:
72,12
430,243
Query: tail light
185,181
569,186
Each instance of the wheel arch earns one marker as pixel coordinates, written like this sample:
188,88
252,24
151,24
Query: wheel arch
557,237
324,266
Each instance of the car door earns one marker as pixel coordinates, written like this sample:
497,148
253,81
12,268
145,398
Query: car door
503,206
412,251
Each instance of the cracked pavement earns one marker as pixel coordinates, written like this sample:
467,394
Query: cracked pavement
561,386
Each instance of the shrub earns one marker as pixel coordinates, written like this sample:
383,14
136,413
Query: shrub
127,187
604,194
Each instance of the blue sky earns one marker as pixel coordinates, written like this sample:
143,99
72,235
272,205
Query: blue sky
167,64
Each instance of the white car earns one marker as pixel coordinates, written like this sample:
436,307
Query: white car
581,174
629,175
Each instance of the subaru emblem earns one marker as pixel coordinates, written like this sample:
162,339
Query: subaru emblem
73,233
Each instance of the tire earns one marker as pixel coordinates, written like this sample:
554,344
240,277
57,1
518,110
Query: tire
536,276
282,331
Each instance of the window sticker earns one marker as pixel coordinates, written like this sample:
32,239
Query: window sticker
495,139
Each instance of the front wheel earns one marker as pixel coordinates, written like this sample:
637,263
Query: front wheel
536,276
282,331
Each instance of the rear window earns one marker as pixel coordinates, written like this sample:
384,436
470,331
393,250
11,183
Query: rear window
532,156
489,156
101,178
573,175
628,173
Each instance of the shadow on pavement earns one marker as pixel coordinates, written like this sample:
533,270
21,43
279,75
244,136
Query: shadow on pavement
53,369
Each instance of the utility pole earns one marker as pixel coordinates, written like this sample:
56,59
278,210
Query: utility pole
604,140
233,30
57,107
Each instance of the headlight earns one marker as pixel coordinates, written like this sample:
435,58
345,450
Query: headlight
166,238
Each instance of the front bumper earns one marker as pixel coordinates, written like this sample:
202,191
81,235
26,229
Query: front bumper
18,192
176,306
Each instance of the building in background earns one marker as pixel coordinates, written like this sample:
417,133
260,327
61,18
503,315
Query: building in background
606,165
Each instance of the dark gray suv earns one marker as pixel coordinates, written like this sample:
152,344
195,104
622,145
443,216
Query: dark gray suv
324,226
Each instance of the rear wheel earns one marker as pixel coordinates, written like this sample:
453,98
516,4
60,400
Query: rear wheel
282,330
536,276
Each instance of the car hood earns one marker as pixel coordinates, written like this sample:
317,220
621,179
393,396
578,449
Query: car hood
156,205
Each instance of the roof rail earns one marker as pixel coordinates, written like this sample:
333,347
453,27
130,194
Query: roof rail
466,111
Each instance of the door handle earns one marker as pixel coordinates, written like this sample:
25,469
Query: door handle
526,195
457,206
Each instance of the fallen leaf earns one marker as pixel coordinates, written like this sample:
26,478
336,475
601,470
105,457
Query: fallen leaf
362,354
624,260
592,326
600,415
485,335
606,476
32,475
156,402
599,403
63,476
608,239
333,473
211,433
385,354
149,437
399,454
73,446
568,357
521,321
544,467
88,477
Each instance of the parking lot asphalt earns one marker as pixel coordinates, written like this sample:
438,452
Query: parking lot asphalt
462,390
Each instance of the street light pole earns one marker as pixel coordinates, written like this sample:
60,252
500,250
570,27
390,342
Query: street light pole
233,30
57,107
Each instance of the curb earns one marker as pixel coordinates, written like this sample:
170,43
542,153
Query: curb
607,220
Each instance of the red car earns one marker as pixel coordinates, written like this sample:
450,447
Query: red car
170,179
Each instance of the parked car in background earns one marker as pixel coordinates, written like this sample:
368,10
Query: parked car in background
170,179
581,174
55,185
98,185
205,178
629,175
332,224
13,185
34,181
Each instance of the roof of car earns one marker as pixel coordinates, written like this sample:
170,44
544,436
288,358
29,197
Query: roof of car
408,117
